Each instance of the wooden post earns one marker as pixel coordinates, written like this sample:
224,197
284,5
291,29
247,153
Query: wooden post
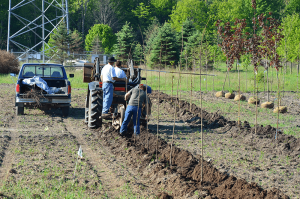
158,105
174,124
191,94
277,105
147,109
172,90
239,114
201,115
256,109
298,72
268,88
214,72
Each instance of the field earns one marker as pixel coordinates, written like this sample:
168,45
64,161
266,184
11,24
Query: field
38,151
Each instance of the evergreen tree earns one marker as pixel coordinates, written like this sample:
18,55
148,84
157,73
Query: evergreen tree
62,44
150,34
191,50
77,44
188,29
165,49
138,53
125,42
143,13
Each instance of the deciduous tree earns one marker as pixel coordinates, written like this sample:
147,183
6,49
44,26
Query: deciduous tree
105,35
196,11
105,13
291,41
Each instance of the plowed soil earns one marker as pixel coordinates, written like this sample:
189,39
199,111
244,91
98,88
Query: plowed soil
38,155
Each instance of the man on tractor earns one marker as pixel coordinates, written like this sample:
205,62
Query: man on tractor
119,72
108,77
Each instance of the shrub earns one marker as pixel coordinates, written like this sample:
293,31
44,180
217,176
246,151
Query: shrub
8,62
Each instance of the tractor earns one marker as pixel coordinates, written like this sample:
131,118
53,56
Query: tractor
94,97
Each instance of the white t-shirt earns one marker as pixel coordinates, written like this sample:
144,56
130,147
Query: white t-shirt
108,72
120,73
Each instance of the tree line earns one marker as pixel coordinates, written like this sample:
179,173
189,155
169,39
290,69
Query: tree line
165,32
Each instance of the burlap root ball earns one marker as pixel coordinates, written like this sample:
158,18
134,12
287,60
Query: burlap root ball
229,95
282,109
220,94
267,105
239,97
252,100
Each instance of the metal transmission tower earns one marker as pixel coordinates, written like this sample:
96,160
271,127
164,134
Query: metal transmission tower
40,26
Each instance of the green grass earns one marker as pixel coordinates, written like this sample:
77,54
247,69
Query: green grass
57,189
7,79
210,83
77,80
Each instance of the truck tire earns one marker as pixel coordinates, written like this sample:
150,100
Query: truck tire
65,111
95,109
19,110
86,112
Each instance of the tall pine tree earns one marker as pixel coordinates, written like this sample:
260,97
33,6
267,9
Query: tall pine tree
165,50
62,44
138,55
125,43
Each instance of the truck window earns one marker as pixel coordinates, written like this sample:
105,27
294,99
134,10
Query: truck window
29,71
42,71
56,72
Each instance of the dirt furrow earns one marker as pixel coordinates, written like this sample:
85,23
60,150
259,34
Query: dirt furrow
116,179
7,156
9,141
235,151
183,178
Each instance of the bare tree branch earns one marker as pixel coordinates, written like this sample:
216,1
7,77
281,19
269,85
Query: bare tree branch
105,13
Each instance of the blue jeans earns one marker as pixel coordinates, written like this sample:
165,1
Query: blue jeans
131,111
108,91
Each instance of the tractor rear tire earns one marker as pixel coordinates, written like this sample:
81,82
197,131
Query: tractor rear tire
95,109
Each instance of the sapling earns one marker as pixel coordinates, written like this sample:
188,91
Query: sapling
233,46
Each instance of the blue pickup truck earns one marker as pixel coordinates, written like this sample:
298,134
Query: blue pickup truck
43,86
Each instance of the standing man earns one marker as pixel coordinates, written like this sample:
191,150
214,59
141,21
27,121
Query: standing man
137,98
108,77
